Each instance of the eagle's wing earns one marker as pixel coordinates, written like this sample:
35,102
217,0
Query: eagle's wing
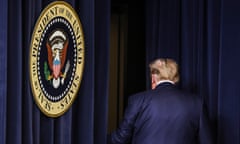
50,56
64,53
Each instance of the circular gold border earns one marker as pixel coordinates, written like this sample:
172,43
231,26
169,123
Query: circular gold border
49,108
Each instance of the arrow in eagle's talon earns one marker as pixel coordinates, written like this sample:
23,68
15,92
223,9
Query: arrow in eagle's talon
65,72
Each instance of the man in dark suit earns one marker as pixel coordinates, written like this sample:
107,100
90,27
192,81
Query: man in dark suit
163,115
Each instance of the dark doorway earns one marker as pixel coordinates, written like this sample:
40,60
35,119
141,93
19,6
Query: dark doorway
127,56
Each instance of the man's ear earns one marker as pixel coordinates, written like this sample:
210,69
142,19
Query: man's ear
154,81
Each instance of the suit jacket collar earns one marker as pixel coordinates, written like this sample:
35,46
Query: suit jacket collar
165,84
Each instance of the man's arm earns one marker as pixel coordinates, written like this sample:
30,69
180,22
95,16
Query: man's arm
124,132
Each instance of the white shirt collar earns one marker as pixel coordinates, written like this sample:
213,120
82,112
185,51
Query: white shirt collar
163,81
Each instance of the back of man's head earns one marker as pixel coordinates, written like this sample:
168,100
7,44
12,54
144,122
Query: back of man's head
165,69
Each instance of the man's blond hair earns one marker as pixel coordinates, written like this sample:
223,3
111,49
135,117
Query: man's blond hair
165,69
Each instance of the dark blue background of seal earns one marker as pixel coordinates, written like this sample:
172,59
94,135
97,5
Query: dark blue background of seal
44,58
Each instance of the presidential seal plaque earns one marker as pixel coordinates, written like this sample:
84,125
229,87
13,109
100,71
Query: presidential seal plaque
56,58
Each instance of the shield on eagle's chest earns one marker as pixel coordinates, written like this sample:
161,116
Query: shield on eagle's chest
56,68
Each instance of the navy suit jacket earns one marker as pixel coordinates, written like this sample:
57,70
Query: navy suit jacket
164,115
